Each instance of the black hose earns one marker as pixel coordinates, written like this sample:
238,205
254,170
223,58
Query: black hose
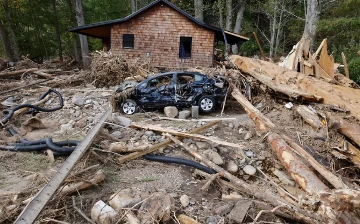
10,113
58,148
166,159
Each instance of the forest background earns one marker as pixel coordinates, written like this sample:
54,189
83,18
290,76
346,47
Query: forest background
38,29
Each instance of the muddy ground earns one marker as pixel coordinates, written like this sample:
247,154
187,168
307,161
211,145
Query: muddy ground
23,174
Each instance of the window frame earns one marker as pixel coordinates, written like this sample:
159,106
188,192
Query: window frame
185,53
128,41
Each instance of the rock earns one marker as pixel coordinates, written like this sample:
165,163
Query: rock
9,102
250,170
120,120
171,111
201,145
184,114
213,219
240,210
81,123
78,101
117,134
232,167
157,208
66,128
184,200
214,157
121,200
149,133
102,213
224,209
248,136
249,154
183,219
283,177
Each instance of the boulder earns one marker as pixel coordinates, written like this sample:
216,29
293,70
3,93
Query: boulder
184,114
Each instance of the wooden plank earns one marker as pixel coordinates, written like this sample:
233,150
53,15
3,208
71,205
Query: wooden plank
345,65
187,135
17,73
319,72
155,147
33,209
306,49
319,48
326,61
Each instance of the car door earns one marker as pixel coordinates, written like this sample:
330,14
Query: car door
155,93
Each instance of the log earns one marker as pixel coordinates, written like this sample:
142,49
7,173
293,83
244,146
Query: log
306,179
348,98
284,89
261,121
155,147
329,176
74,187
310,118
351,131
16,73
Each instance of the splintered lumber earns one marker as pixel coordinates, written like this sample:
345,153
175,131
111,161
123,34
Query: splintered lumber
302,174
309,116
16,73
352,131
155,147
326,61
261,121
33,209
346,97
329,176
74,187
187,135
319,48
243,186
259,45
319,72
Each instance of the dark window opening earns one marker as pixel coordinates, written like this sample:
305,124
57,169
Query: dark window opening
185,47
128,41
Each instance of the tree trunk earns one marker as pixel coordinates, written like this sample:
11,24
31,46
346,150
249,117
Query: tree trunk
83,39
238,28
221,14
57,31
273,29
228,14
6,43
199,9
311,18
12,33
133,6
72,35
278,32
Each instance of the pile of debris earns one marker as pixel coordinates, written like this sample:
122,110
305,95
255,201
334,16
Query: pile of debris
306,171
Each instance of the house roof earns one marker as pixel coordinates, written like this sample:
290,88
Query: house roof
103,29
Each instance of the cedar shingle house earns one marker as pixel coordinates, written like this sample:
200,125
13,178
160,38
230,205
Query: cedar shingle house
165,34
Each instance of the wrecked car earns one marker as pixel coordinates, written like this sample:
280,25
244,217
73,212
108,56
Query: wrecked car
179,89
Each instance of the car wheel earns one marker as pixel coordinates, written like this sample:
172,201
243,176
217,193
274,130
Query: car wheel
206,104
129,107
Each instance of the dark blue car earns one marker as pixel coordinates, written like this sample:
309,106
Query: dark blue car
179,89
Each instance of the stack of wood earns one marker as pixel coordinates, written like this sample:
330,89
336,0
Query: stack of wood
320,64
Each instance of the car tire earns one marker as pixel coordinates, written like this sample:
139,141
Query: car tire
129,107
206,104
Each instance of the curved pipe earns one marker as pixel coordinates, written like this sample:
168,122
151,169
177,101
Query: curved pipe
10,113
166,159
